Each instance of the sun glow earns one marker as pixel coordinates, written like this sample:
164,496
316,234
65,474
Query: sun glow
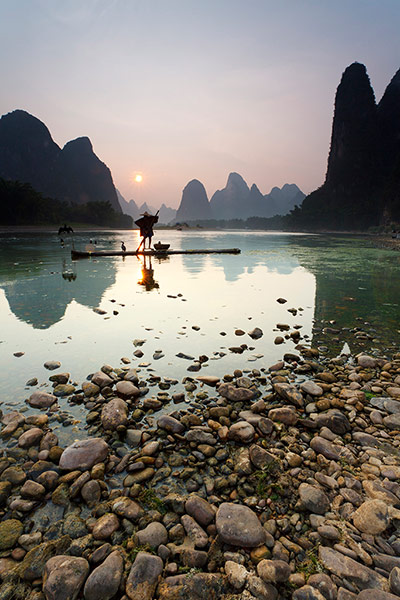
138,178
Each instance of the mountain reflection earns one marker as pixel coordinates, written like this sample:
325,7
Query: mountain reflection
40,298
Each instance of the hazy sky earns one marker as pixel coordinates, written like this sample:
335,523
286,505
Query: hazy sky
183,89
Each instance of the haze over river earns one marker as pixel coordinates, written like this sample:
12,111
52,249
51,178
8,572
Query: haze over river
189,304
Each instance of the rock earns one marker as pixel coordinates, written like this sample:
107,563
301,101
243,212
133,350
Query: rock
209,380
199,436
372,594
235,394
64,577
153,535
260,589
51,365
90,389
32,489
101,379
126,508
33,564
114,413
127,389
170,424
313,499
335,420
91,492
259,457
372,517
366,362
10,531
242,432
307,592
326,448
30,438
200,510
289,393
195,586
237,574
104,581
392,421
273,571
144,576
238,525
255,333
394,580
41,399
105,526
324,584
352,571
84,454
284,415
194,531
311,388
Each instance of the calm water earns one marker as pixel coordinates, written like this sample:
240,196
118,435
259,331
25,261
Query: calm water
47,301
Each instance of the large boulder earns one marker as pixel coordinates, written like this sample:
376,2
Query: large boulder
64,576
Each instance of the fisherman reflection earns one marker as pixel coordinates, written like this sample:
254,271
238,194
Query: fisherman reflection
147,275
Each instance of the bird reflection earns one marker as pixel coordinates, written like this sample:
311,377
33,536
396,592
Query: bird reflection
67,273
147,275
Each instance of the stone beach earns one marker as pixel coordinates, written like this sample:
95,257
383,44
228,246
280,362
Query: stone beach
267,483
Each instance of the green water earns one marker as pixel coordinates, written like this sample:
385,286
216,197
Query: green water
183,304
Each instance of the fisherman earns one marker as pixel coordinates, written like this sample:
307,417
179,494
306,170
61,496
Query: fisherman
145,225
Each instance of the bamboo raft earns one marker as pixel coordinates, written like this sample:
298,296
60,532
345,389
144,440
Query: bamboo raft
84,254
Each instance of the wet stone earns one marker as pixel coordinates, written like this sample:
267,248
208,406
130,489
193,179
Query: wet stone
238,525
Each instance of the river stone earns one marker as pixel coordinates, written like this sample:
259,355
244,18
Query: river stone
367,362
195,586
90,389
376,491
194,531
242,432
284,415
372,517
153,535
260,589
199,436
104,581
91,492
209,380
313,499
41,399
51,365
308,592
114,413
200,510
105,526
288,392
366,439
394,580
376,595
392,421
237,574
30,438
101,379
273,571
33,564
325,447
255,333
84,454
170,424
260,457
10,531
354,572
234,394
126,508
143,576
126,389
311,388
32,489
64,577
335,420
394,392
238,525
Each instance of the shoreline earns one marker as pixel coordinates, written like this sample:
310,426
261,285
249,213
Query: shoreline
266,481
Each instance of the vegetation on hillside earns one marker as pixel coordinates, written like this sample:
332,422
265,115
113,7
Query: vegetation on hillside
20,204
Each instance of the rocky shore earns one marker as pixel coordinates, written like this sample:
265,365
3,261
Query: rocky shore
273,483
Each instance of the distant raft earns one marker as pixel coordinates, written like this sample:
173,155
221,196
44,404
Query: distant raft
87,254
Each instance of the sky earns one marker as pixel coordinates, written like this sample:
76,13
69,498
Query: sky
175,90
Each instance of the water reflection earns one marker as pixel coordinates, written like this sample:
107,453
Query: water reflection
147,274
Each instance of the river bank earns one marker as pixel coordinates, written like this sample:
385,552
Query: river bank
279,480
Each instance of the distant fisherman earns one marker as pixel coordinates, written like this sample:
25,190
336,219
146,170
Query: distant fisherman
145,225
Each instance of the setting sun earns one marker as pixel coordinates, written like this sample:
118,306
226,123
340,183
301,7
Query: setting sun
138,178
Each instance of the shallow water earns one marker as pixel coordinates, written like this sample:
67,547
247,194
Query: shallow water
47,301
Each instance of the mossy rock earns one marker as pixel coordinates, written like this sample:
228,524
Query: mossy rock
10,531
